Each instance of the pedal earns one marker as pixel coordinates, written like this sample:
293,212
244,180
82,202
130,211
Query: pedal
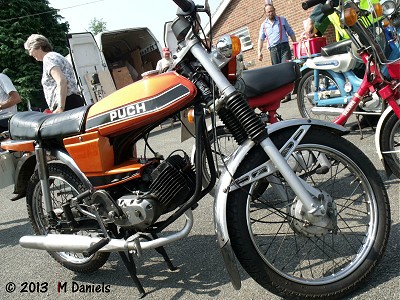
96,247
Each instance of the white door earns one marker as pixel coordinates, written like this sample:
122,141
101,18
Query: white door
90,67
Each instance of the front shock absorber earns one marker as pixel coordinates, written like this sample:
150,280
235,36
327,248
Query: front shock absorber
251,123
232,123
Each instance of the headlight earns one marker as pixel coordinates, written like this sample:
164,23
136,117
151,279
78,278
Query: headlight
228,46
388,7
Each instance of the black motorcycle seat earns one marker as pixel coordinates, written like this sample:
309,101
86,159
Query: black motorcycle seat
340,47
33,125
262,80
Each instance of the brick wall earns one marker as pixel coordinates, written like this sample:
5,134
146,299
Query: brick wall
250,13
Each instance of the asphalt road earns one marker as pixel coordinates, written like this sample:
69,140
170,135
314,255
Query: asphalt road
200,274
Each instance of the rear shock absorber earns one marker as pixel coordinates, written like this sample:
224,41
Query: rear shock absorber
251,123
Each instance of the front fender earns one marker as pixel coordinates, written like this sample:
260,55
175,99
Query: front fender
221,194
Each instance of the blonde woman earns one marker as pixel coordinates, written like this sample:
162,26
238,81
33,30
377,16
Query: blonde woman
58,79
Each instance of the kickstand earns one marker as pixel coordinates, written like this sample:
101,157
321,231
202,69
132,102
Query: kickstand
164,254
131,267
359,126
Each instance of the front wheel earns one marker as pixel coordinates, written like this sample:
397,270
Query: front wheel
391,144
293,255
64,185
309,91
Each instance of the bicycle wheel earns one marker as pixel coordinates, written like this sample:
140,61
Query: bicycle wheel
391,143
64,185
306,91
297,256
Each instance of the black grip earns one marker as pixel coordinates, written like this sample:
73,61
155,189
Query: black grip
310,3
95,247
185,5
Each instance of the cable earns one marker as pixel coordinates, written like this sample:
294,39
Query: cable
49,11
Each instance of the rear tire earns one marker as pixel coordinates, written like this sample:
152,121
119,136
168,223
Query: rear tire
391,142
293,258
64,185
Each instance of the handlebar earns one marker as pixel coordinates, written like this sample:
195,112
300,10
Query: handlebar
310,3
187,6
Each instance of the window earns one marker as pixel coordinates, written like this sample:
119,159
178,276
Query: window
244,35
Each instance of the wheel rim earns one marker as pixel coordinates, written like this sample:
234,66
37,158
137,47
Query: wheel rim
326,258
307,94
60,192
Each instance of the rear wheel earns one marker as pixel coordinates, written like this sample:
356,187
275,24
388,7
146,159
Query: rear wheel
391,143
293,255
64,185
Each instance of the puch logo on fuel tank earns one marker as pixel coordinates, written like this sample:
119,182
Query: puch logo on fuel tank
144,107
128,111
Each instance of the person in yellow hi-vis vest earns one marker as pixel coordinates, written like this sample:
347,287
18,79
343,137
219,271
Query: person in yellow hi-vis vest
318,22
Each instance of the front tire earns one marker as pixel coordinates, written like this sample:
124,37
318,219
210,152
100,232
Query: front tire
64,185
390,143
293,257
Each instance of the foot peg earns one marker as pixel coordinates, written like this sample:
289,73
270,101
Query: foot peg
96,247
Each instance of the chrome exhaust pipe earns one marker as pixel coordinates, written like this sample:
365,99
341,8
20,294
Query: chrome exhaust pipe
327,111
80,243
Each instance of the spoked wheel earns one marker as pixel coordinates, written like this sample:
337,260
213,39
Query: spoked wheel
289,251
391,144
222,146
307,90
64,185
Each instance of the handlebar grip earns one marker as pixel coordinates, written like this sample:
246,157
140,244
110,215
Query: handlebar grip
185,5
310,3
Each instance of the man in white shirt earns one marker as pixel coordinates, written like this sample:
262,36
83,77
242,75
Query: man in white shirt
164,63
9,98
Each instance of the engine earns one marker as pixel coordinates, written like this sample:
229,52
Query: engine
173,183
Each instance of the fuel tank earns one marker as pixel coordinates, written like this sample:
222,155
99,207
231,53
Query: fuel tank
141,103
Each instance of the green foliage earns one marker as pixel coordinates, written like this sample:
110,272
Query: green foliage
96,26
18,20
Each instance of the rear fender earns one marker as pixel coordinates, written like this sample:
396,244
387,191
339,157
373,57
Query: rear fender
221,194
23,172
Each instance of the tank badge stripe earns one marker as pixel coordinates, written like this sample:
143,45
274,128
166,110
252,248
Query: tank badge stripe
138,108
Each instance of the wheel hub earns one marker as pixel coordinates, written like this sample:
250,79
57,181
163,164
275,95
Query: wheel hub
317,223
